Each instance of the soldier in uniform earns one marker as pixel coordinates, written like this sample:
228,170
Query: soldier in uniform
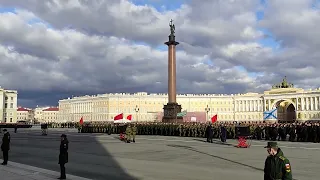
63,156
134,132
277,167
128,133
209,133
5,146
223,133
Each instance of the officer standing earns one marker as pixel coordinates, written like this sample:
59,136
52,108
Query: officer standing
15,128
134,132
209,133
63,156
5,146
223,133
277,167
128,133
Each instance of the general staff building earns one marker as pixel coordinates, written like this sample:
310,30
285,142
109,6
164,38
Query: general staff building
290,103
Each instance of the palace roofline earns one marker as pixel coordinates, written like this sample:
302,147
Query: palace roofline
279,91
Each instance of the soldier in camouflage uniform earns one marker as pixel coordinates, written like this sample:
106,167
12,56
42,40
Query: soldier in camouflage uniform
134,132
128,133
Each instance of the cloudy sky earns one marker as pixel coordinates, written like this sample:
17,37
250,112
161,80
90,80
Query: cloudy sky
52,49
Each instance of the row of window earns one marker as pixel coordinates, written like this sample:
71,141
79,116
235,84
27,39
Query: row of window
6,98
6,105
5,120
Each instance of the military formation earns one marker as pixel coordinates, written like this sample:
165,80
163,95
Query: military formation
302,132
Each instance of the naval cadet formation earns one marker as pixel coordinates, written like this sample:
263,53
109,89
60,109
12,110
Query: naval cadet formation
301,132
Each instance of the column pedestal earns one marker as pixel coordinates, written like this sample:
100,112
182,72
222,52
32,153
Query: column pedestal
170,113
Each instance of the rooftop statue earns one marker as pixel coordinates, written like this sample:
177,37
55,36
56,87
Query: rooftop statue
283,84
172,28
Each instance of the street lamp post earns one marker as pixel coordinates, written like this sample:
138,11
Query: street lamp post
137,110
207,109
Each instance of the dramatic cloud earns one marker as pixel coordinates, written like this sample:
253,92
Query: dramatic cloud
57,48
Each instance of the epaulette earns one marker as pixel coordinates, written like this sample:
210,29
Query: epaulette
282,158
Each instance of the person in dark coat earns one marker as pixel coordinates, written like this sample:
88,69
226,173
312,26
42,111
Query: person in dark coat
223,133
15,128
63,156
5,146
277,166
209,133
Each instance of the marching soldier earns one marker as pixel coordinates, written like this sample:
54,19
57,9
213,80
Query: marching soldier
277,166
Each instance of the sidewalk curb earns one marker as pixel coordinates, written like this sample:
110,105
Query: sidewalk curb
35,172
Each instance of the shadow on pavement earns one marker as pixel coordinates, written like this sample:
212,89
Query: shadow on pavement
88,156
218,157
214,142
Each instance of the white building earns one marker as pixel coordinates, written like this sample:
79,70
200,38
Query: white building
287,102
8,106
38,113
24,114
50,114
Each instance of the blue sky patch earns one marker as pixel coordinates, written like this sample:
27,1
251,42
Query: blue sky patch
251,74
7,9
161,5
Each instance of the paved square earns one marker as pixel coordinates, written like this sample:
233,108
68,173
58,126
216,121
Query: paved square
99,156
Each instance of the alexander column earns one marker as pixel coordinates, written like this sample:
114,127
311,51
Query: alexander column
172,107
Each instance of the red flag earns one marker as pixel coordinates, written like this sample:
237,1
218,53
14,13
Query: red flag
118,117
129,117
214,118
81,121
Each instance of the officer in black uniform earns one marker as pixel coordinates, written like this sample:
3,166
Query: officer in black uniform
15,128
63,156
5,146
209,133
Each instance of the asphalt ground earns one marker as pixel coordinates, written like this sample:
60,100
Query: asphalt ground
101,156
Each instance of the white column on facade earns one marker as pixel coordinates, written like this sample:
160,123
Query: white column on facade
302,104
312,103
316,103
246,107
264,105
243,106
269,104
297,104
235,106
252,103
307,103
249,105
